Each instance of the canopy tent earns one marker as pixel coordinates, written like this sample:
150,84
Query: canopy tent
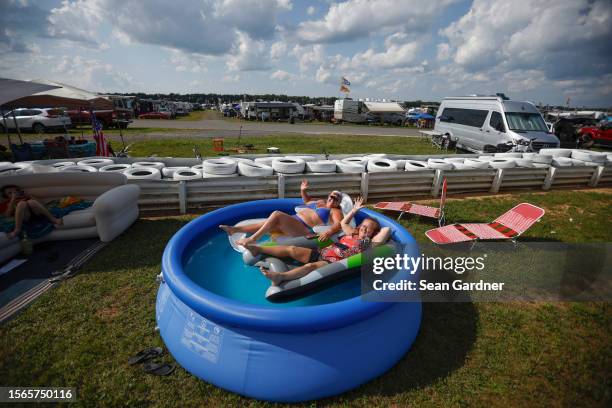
380,107
11,89
423,115
62,95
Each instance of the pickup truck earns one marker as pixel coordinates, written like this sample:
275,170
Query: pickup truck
108,118
596,135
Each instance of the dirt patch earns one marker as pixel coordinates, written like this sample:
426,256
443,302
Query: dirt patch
108,313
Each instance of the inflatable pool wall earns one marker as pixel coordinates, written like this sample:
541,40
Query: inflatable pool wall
283,355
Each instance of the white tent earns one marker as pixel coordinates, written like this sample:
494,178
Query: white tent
11,89
384,107
65,96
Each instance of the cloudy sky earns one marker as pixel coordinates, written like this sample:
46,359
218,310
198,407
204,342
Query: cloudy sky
537,50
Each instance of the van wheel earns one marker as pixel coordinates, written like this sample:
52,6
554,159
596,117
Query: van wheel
587,141
38,128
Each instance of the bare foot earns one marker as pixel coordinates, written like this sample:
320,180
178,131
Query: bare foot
58,221
245,242
12,234
275,277
228,229
253,249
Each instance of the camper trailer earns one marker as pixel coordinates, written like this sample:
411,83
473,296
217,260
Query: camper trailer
348,110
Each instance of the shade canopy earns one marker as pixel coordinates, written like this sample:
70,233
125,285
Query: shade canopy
62,95
11,89
380,107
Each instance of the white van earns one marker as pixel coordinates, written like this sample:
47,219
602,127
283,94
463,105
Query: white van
493,124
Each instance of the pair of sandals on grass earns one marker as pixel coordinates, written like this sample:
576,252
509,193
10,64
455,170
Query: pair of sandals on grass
152,367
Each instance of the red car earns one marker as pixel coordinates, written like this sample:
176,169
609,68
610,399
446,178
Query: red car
108,118
596,135
154,115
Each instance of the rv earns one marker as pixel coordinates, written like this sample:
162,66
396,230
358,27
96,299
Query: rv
348,110
493,124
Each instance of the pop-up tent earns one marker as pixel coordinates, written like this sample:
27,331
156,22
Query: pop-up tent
64,96
11,89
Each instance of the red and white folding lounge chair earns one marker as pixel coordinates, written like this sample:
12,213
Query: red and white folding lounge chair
509,226
417,209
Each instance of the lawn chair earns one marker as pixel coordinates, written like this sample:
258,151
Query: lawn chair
507,227
417,209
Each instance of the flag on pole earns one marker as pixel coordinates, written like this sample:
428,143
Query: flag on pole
101,145
344,85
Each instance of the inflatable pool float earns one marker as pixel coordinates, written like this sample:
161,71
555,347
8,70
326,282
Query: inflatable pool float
322,345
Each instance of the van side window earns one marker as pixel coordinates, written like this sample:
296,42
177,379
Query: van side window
496,122
467,117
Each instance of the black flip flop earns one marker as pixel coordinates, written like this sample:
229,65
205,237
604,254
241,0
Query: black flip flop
158,368
146,354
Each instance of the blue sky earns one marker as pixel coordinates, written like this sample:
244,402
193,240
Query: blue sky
542,51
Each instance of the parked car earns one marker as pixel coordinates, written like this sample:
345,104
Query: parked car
38,120
493,123
596,135
108,118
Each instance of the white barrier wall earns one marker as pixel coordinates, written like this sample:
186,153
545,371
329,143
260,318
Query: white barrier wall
170,196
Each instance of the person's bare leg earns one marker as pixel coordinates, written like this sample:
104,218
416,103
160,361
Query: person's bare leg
295,273
38,208
21,213
278,221
296,253
249,229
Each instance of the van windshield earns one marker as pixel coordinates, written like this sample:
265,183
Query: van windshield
520,121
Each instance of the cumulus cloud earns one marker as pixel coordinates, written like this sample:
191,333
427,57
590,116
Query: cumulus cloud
281,75
194,26
17,19
396,55
354,19
562,39
76,21
185,62
308,56
248,55
93,74
278,49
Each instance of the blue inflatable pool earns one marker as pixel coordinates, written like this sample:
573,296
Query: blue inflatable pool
215,320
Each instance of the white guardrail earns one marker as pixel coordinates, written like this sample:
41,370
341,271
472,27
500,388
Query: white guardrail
172,196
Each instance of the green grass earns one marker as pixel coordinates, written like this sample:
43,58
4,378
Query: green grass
201,115
82,332
288,143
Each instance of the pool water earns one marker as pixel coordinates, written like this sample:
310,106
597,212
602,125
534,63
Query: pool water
214,265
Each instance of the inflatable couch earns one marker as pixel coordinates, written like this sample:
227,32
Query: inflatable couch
115,205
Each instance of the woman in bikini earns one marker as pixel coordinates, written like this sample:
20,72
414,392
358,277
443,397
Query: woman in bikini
354,241
22,207
319,212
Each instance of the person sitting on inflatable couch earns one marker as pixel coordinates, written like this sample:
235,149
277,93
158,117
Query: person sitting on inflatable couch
321,212
354,241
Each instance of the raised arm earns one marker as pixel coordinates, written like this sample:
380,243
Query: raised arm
382,236
304,192
345,223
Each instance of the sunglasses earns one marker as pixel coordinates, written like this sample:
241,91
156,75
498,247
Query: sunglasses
333,198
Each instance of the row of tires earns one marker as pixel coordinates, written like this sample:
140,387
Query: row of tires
267,166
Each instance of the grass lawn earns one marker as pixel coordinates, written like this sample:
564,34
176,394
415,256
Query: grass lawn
81,333
201,115
288,143
86,132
